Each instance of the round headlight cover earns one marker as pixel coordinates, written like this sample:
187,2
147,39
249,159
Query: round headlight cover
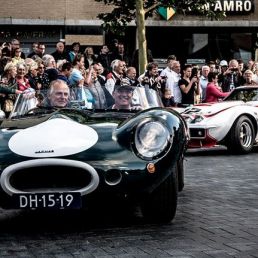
151,138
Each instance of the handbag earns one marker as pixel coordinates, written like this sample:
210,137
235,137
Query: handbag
8,105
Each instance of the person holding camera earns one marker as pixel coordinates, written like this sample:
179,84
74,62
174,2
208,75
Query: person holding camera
232,77
189,85
5,50
152,78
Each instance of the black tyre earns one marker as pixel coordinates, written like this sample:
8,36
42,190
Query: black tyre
180,174
241,136
160,206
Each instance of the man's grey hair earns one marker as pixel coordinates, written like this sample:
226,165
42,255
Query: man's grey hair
47,59
115,63
205,67
56,82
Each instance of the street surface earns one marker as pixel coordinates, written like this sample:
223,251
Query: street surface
217,216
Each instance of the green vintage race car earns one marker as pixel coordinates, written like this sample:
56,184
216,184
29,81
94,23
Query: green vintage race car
66,158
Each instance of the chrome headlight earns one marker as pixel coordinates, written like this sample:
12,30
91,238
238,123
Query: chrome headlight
151,138
193,118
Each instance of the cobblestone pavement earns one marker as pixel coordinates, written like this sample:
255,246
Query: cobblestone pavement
217,216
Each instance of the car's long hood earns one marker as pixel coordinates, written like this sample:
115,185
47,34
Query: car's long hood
61,138
209,109
102,141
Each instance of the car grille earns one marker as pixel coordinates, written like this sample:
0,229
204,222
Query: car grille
50,178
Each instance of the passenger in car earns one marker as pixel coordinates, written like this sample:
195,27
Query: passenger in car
123,95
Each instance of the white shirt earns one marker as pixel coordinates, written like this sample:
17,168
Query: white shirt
110,83
203,86
172,83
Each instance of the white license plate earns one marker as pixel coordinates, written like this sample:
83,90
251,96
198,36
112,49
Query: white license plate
48,201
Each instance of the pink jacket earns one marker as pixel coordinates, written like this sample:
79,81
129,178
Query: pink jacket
213,93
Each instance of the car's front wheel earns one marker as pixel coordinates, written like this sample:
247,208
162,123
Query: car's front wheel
180,174
241,136
160,206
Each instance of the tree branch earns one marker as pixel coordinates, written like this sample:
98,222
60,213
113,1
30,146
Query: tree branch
152,7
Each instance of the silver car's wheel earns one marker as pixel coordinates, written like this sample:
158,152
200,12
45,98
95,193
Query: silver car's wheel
241,136
246,134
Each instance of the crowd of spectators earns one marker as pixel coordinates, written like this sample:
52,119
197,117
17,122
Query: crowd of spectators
98,75
210,82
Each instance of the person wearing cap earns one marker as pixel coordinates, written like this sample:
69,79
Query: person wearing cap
223,66
123,95
223,63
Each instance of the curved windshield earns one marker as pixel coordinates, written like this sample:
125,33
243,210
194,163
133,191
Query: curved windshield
243,93
123,98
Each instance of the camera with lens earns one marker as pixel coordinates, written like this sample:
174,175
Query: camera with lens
234,70
146,80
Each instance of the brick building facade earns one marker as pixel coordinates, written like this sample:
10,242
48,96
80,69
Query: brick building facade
187,36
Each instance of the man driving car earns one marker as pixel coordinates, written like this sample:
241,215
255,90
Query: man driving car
58,95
